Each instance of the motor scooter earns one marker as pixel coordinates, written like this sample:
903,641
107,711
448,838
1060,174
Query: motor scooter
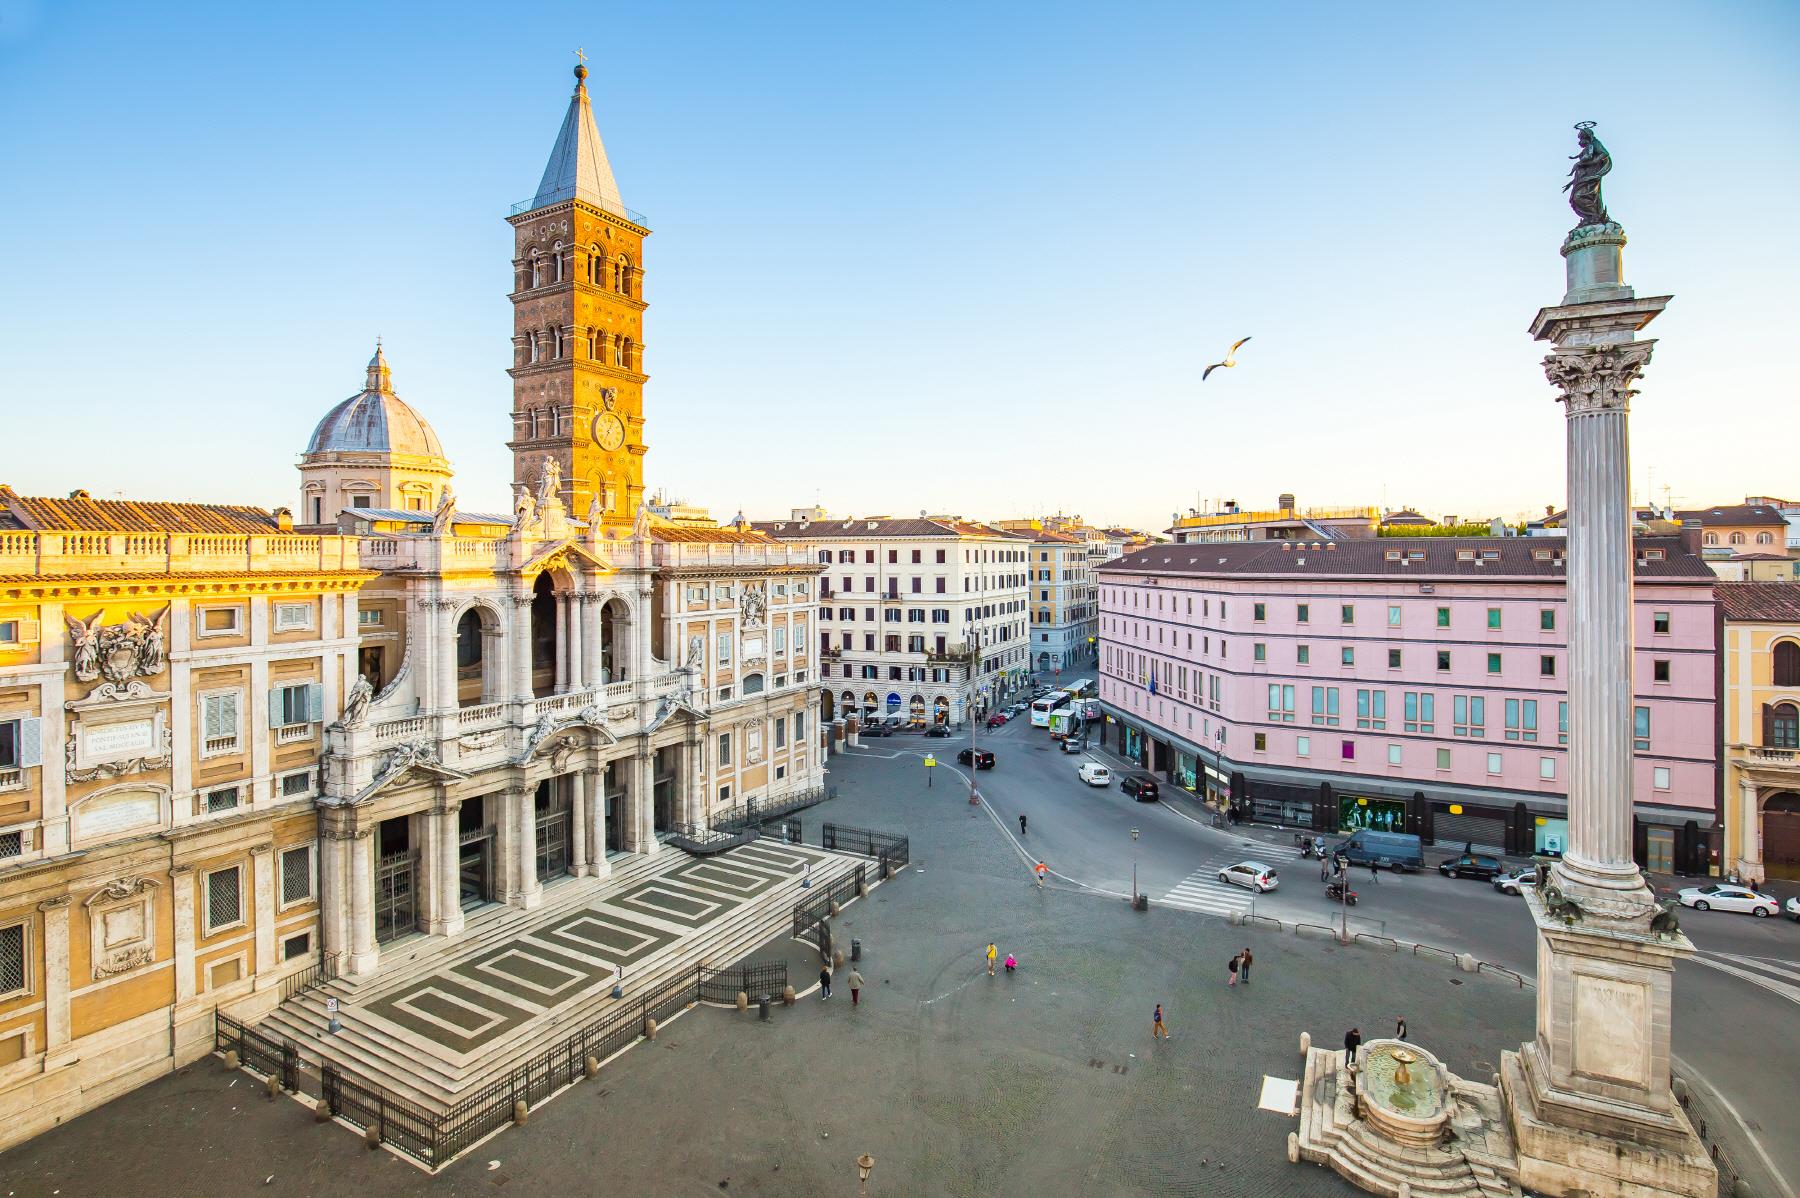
1335,892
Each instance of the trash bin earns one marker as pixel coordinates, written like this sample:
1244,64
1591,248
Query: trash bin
762,1008
856,948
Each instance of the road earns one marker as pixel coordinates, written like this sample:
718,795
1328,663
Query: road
1735,1001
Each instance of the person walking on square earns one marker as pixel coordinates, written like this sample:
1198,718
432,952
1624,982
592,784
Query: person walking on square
1021,823
1236,960
1374,872
1352,1042
825,983
1399,1027
993,954
1040,870
1157,1026
1244,959
856,985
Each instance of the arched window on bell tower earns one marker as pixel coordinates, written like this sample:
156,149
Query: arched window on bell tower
596,266
624,275
556,264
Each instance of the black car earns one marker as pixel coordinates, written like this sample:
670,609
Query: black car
1142,786
877,729
981,758
941,730
1471,865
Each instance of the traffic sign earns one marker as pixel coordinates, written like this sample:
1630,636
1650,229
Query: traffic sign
331,1006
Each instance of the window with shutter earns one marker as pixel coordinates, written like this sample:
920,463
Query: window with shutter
224,901
219,723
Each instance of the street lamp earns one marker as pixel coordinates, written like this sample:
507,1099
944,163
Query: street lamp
865,1165
1134,885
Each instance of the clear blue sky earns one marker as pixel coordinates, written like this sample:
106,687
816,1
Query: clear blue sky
947,256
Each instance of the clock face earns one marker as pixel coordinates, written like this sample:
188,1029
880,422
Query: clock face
609,431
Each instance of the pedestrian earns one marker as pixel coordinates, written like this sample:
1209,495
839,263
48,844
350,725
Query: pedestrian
856,985
1021,823
1157,1026
1324,868
1399,1027
1236,959
825,983
1352,1042
1012,962
1244,959
1374,872
1040,871
993,954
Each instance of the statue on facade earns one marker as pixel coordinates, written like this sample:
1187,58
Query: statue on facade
524,507
137,648
549,481
1591,165
356,703
446,508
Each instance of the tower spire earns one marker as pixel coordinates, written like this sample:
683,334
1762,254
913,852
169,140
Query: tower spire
578,168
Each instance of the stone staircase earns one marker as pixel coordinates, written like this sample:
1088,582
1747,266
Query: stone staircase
1477,1162
422,1068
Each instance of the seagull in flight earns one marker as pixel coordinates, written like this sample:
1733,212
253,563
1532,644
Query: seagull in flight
1229,359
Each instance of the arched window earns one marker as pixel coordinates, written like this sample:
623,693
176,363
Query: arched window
1737,538
1784,727
753,684
1765,538
1787,664
556,262
531,347
596,263
468,640
537,269
1711,538
593,346
622,276
628,354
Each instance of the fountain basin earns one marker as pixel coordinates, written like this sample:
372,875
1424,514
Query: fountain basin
1403,1093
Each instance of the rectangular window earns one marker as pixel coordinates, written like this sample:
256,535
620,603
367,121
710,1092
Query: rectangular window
1303,654
1443,661
1262,742
1443,617
724,748
1562,723
1547,665
1393,754
1493,617
1443,759
1659,670
296,946
1547,619
291,617
223,799
778,638
1468,715
799,728
220,729
1494,761
13,978
296,784
219,621
1325,705
296,875
1659,623
291,704
224,899
1547,768
1347,614
1303,613
1371,709
1493,663
1641,728
1347,655
1660,777
1393,659
1393,617
1349,750
780,732
368,617
1303,746
724,794
724,654
1259,652
1258,611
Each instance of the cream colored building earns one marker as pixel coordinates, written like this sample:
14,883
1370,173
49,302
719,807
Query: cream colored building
1761,647
166,672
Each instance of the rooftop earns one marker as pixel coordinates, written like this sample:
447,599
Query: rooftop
1732,513
578,168
375,420
883,526
1767,602
1415,557
81,512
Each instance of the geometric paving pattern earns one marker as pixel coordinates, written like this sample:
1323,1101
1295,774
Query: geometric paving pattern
464,1005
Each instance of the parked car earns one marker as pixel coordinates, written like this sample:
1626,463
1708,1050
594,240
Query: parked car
1073,744
939,730
1724,897
1141,786
1792,907
1018,709
1094,774
1471,865
1516,881
1252,875
1397,850
878,729
981,759
997,720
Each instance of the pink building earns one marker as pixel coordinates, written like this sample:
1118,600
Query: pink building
1415,685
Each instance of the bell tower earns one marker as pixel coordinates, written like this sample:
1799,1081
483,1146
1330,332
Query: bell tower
578,327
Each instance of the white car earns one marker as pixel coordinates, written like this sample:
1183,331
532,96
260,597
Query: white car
1253,875
1792,907
1094,774
1730,898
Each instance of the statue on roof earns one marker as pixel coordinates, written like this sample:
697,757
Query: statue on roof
356,703
549,481
524,507
446,508
1592,164
641,527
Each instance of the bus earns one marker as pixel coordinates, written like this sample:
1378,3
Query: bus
1083,689
1041,708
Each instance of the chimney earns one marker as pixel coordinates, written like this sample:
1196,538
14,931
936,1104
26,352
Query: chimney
284,519
1549,509
1285,501
1690,539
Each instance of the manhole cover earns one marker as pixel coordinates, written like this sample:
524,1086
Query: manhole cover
1456,981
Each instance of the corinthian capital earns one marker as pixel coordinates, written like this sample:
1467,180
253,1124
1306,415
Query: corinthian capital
1598,378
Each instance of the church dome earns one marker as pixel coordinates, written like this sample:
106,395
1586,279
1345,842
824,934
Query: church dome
375,421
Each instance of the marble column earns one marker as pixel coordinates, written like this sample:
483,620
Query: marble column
572,627
524,802
1750,822
56,972
595,785
562,642
693,801
262,872
181,894
365,955
444,616
519,646
578,821
592,676
446,847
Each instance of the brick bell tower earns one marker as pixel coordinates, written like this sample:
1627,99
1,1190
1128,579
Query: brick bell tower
578,327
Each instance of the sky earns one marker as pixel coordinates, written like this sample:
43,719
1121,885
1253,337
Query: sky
946,257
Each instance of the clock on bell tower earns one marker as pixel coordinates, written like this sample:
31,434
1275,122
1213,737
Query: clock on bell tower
578,320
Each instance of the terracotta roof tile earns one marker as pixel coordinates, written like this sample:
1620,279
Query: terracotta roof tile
1733,513
86,514
726,536
1514,557
1763,601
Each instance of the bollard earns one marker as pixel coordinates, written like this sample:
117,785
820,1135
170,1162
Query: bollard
1405,1189
862,888
837,908
787,996
231,1058
856,948
321,1111
1236,918
591,1065
371,1136
762,1006
1293,1145
1680,1088
521,1112
743,1001
1305,1043
837,958
1467,962
272,1085
649,1029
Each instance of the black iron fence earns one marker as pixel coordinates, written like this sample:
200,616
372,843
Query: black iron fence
811,912
258,1051
317,974
892,849
754,981
761,811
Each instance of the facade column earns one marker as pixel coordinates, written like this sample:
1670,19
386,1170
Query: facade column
524,802
446,849
262,872
575,626
444,616
578,821
693,799
1750,819
591,659
562,642
596,791
365,956
56,973
519,648
181,893
503,811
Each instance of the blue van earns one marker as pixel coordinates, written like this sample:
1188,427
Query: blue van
1395,850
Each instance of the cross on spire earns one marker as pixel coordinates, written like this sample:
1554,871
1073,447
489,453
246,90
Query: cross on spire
581,55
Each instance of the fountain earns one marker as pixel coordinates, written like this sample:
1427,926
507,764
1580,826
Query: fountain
1407,1105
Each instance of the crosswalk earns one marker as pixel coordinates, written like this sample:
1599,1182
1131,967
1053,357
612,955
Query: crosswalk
1771,973
1202,891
